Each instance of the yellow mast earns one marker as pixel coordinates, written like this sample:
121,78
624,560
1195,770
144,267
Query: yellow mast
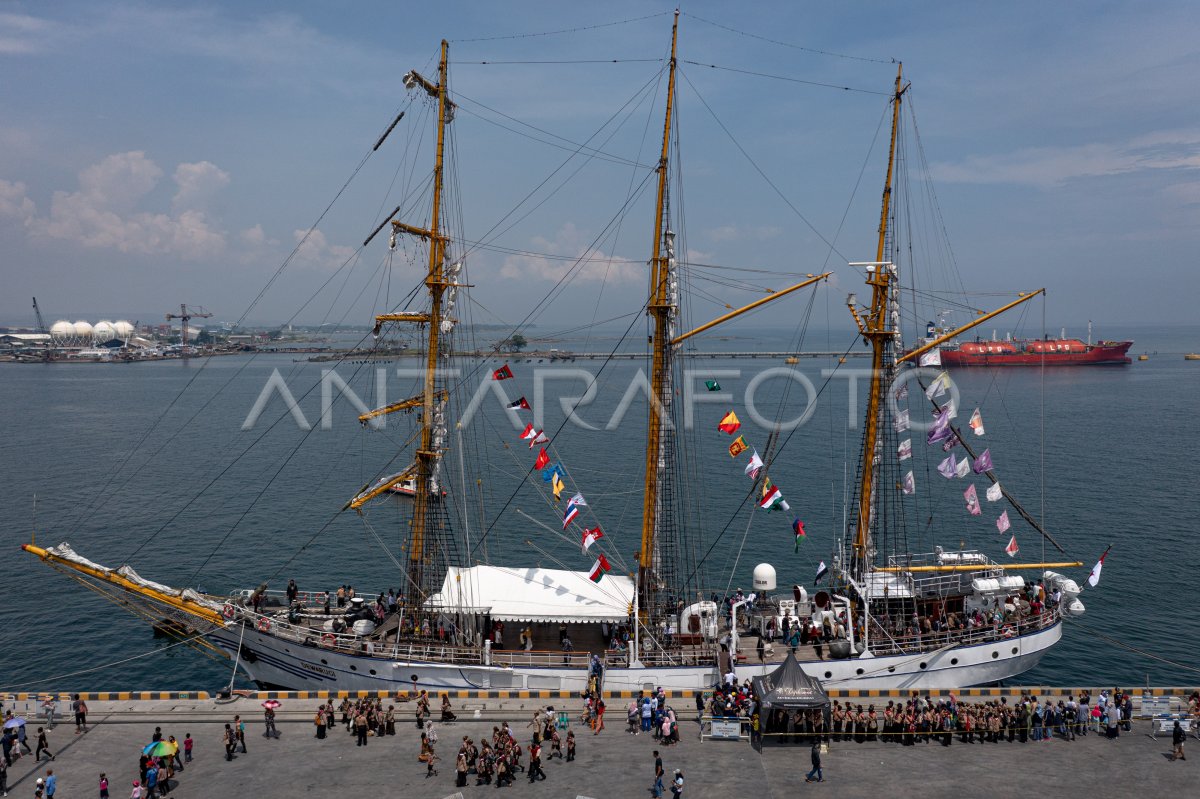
660,309
435,283
877,331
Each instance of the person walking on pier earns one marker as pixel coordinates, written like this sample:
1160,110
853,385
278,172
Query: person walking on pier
657,789
229,740
51,783
187,748
816,764
50,708
80,709
43,746
1178,736
239,729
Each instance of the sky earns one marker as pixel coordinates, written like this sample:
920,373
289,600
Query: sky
159,153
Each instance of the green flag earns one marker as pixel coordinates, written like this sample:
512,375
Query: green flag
712,385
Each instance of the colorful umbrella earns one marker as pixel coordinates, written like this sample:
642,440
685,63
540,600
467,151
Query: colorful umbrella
272,704
161,749
14,722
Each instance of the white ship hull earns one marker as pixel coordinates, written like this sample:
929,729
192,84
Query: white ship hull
275,662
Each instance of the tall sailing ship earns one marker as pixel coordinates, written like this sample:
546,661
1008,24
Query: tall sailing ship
885,617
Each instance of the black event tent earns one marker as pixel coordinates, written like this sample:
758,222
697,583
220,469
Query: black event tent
789,687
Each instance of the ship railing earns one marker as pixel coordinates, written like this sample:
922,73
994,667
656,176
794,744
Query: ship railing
987,634
546,658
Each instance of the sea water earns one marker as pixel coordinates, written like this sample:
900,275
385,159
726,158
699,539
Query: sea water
159,465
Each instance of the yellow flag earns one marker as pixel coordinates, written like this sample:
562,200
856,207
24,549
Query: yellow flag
738,446
557,485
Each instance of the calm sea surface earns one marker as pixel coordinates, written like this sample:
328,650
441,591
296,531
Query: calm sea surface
149,464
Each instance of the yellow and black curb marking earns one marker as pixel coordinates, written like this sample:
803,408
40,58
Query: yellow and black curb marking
122,696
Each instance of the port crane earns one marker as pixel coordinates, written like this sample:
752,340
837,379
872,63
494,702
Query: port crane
41,328
185,315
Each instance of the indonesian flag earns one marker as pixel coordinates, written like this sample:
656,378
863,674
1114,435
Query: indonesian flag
1012,549
729,424
529,433
931,358
543,460
539,438
598,569
503,373
1094,577
753,466
569,516
771,498
976,422
590,537
520,404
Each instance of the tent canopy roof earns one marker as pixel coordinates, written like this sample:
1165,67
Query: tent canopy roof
534,595
790,686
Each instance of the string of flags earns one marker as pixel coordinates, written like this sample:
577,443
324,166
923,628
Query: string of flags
553,474
942,432
772,496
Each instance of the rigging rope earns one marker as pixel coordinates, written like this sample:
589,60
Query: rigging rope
563,30
812,50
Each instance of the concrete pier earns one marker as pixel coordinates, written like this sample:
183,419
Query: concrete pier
612,764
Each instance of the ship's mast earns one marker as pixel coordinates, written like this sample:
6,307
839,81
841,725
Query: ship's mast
435,283
660,310
876,329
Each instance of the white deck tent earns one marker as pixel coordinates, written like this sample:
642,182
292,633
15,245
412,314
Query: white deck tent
534,595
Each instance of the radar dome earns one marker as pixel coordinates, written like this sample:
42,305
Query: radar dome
104,331
124,330
83,329
764,577
62,329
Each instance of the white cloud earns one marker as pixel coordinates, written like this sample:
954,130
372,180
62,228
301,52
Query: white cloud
14,204
570,251
197,183
1047,167
103,213
316,251
743,232
22,34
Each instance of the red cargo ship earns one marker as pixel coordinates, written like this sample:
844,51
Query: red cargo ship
1037,352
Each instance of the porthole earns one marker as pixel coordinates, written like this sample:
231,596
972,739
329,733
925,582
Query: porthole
1014,650
372,672
353,667
953,661
995,655
828,674
923,665
891,669
324,662
858,672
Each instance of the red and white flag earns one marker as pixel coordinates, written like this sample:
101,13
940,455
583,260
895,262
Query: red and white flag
503,373
539,438
1012,548
529,433
590,537
1094,577
598,569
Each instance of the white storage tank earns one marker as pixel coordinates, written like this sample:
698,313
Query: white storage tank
124,330
104,331
62,330
83,330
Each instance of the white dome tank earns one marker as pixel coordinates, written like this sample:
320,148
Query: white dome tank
124,330
104,331
83,329
764,577
62,329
